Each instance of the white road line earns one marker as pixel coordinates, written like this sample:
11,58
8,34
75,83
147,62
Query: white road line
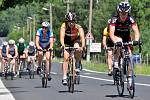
106,72
5,93
141,84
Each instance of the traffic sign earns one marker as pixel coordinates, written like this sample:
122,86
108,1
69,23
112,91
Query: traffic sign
89,36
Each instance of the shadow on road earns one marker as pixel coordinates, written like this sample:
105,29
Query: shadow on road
42,87
117,96
107,85
12,87
68,91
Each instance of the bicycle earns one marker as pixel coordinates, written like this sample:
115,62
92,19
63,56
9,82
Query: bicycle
125,60
43,72
10,68
31,67
71,69
77,77
21,64
5,68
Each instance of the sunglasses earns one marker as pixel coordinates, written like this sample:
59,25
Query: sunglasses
44,27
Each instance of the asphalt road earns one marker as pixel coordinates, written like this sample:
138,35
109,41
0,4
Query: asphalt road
94,86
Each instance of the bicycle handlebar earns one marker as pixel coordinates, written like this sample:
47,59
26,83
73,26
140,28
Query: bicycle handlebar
139,43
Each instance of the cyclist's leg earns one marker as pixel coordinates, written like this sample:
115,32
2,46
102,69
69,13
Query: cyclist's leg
109,61
78,56
39,58
65,67
117,52
48,68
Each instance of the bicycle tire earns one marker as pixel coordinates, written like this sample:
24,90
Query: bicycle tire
120,82
131,87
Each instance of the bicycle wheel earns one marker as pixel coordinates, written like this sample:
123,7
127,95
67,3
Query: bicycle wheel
44,78
70,77
114,75
131,83
31,71
11,72
120,82
44,81
20,68
77,78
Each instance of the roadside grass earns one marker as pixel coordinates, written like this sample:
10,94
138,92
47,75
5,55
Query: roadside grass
102,67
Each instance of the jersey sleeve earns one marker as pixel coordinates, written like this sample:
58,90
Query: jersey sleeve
105,33
38,32
132,21
113,21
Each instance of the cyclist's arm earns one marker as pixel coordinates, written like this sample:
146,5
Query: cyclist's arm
7,52
51,40
111,33
104,41
16,51
37,40
1,52
62,35
82,37
136,31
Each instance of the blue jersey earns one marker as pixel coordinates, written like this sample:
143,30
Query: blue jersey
3,51
44,41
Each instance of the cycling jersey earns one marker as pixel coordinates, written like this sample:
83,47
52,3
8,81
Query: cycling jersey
71,34
44,42
11,50
122,29
31,50
108,40
21,48
3,48
105,32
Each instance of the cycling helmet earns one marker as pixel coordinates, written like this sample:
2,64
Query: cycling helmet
124,7
31,43
11,42
45,24
21,40
70,16
5,43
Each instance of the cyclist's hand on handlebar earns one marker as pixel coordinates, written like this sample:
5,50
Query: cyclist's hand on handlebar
39,48
50,49
137,43
118,44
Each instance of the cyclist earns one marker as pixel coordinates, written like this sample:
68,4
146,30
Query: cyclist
44,40
21,50
108,44
12,52
119,29
30,52
3,54
72,35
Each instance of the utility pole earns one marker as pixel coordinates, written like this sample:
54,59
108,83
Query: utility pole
90,15
89,31
23,32
30,30
34,28
68,1
50,14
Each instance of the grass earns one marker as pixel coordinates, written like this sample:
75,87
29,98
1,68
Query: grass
101,67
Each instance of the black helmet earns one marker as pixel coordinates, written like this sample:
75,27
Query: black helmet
124,7
70,16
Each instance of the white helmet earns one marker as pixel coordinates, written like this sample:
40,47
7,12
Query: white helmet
21,40
46,24
31,43
5,43
11,42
